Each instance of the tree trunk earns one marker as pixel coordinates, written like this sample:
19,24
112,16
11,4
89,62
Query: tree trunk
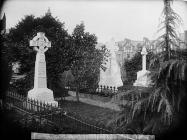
167,5
123,73
77,93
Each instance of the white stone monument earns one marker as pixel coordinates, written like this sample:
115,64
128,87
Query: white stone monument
112,75
40,91
143,78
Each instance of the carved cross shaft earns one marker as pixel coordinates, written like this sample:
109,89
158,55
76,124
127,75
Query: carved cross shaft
40,43
144,53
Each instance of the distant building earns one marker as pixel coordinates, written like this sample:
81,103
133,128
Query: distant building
183,38
128,48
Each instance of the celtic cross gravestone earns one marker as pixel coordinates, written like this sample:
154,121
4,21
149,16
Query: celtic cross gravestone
40,91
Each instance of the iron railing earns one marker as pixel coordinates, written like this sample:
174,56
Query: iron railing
53,114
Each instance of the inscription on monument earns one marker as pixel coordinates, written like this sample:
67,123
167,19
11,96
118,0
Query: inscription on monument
42,69
42,57
42,82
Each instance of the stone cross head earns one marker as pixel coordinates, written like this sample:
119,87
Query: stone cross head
40,43
144,51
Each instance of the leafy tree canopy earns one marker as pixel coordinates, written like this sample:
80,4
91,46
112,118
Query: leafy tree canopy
76,51
162,107
56,57
169,23
86,67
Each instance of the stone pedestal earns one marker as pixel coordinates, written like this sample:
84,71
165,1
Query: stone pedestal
40,91
42,94
143,78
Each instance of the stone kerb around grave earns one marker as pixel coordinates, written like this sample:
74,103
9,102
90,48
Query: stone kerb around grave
40,91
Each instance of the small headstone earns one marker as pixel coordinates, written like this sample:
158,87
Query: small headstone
40,91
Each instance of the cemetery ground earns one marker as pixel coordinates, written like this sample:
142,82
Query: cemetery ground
16,125
95,115
103,117
88,113
91,114
11,127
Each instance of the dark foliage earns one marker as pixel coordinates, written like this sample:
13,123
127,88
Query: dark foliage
170,21
159,110
134,65
6,67
56,56
86,67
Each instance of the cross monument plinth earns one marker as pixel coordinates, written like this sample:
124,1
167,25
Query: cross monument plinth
40,91
143,78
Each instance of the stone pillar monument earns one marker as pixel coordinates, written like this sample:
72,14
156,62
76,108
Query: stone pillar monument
40,91
143,78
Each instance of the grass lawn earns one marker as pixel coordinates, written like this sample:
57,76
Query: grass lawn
90,114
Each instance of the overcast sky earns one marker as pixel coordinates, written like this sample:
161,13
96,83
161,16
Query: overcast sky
118,19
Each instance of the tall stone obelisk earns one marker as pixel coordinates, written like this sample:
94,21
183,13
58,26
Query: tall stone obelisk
40,91
112,75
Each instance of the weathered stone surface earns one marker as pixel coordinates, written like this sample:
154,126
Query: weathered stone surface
112,75
92,136
40,91
143,78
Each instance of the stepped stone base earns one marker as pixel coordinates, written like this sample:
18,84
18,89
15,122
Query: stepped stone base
42,94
